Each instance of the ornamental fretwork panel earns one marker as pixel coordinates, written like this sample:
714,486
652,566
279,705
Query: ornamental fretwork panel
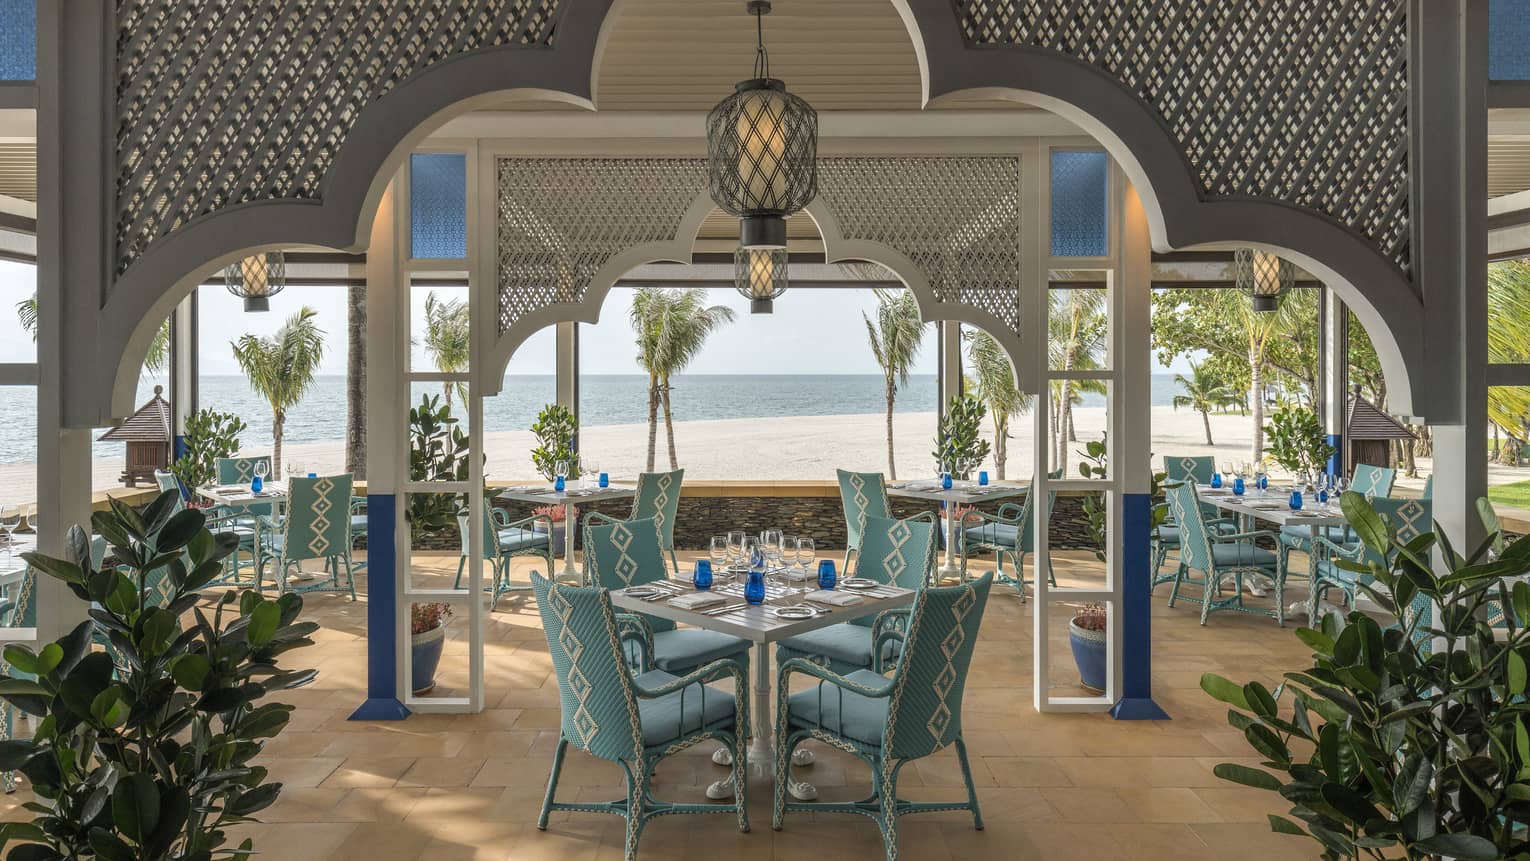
223,102
1291,100
560,220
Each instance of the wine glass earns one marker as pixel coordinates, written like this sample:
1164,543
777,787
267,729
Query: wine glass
718,549
10,521
751,552
1227,469
770,545
807,551
736,547
560,470
261,469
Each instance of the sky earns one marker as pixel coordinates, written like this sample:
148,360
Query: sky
813,331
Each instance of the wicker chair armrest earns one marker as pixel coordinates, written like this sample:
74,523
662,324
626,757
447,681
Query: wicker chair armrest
890,625
1244,536
1335,550
824,674
721,668
928,517
633,627
530,522
358,504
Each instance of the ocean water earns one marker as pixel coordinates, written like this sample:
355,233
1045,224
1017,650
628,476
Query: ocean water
604,399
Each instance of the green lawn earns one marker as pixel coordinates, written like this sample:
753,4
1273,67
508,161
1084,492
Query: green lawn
1516,494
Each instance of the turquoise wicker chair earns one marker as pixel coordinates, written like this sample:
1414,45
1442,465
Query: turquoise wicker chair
891,552
1219,557
1408,519
220,521
657,498
251,522
1009,532
889,722
629,553
863,495
1196,469
1494,529
18,609
634,721
317,525
1372,482
504,540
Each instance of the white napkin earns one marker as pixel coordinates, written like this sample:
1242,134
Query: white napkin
697,600
833,599
796,575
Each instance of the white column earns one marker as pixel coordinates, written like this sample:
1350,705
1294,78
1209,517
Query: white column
1335,382
183,362
950,362
567,362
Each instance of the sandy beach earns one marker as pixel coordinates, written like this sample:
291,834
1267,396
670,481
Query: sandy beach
769,449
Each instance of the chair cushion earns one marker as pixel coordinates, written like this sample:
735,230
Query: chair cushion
996,534
843,644
684,649
694,707
511,540
1240,553
836,710
1168,534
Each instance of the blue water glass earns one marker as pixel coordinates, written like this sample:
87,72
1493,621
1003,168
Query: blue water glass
1264,482
256,484
605,480
313,475
1238,486
754,587
703,576
1216,479
1323,496
945,480
558,484
826,578
1296,500
983,477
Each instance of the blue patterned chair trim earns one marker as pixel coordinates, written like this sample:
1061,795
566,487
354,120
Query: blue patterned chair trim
861,495
503,540
1222,559
1407,519
634,721
658,499
1198,469
1010,531
889,722
316,526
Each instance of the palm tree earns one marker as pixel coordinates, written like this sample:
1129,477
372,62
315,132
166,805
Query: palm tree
1203,393
1509,342
997,389
895,337
281,368
671,328
153,362
356,382
448,341
1077,328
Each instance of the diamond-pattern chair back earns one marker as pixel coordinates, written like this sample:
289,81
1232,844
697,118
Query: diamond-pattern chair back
863,495
625,553
240,470
1194,540
1374,482
896,551
1408,519
925,711
318,523
595,691
658,499
1198,470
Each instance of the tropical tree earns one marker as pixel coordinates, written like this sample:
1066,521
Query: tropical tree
1077,327
155,361
1203,393
281,368
356,382
448,341
671,328
997,389
896,336
1509,342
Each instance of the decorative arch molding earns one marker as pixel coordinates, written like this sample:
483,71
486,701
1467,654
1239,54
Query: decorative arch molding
1026,58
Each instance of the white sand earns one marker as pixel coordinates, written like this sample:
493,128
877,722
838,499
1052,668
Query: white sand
773,449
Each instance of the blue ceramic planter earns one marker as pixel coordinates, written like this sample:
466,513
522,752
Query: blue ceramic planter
425,656
1089,655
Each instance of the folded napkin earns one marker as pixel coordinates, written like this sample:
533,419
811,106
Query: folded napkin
833,599
796,575
697,600
230,488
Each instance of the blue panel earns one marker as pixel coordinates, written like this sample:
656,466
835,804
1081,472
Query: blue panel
438,205
1135,626
1509,40
18,40
382,614
1080,198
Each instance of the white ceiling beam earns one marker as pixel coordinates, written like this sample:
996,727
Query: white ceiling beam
552,125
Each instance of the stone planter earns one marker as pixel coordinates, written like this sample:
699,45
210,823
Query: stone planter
1088,655
557,535
425,656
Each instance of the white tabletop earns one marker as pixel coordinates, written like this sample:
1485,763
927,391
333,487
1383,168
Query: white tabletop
240,496
757,623
545,494
964,492
1272,507
12,565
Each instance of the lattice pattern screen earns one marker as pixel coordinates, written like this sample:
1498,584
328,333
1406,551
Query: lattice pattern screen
1289,100
222,102
561,219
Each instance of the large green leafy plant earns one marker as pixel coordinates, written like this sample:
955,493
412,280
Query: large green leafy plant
555,430
1297,441
209,436
959,444
1405,738
144,750
1094,466
438,451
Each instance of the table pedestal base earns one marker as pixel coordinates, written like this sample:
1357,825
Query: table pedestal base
762,756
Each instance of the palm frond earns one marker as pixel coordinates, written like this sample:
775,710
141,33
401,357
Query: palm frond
281,368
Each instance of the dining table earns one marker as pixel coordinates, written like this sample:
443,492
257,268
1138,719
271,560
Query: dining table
761,625
958,494
1274,507
569,498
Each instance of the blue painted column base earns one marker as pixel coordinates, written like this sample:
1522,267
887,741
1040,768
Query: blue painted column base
1336,462
1136,612
382,614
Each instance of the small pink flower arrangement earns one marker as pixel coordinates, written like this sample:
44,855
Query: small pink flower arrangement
555,513
428,617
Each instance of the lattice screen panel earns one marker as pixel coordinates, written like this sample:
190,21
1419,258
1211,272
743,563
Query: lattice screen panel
1292,100
222,102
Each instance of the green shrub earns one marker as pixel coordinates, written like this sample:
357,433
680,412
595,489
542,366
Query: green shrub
210,435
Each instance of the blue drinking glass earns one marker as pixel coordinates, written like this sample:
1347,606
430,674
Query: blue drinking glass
1323,496
1238,486
1296,500
826,578
605,480
1264,482
754,587
558,484
256,484
313,475
945,480
703,576
1216,479
983,477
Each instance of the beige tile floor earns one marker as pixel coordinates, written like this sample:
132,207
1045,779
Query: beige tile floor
1051,786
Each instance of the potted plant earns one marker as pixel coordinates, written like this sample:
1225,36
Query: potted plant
959,444
1297,442
210,435
438,451
149,723
1086,634
558,515
427,630
556,430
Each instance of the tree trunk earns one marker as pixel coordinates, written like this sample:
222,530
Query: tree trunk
356,383
1410,461
1256,404
446,389
669,425
653,419
278,419
1206,420
892,465
1000,446
1072,428
1065,425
